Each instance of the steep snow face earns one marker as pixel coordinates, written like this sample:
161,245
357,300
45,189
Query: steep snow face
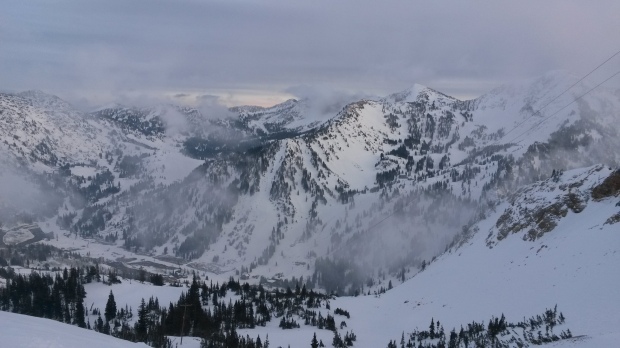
531,111
160,121
50,151
24,331
43,132
144,121
38,128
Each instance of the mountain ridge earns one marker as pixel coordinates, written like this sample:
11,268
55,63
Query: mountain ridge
417,154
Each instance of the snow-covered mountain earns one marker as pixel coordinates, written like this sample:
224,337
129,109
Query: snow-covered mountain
290,116
52,152
156,121
505,204
382,186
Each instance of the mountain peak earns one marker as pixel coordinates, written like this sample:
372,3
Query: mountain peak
37,95
245,109
549,84
414,92
45,100
291,101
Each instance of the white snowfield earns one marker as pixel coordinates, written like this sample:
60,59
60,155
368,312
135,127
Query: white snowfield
22,331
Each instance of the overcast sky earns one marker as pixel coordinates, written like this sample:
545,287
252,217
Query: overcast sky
262,52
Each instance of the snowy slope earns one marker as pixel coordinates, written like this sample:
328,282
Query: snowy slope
575,266
24,331
43,130
43,138
532,111
289,116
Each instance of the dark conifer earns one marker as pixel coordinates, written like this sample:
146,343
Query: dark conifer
314,343
79,314
110,308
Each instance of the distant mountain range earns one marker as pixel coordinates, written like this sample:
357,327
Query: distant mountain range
378,188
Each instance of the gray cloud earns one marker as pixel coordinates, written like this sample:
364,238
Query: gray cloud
323,101
100,50
212,107
207,97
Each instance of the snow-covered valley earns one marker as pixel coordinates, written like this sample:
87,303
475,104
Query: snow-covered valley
400,210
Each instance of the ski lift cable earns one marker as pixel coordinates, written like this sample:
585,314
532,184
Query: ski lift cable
564,107
536,125
559,95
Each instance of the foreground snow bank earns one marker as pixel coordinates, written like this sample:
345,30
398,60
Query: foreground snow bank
24,331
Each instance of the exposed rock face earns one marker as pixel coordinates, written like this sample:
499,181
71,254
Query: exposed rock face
613,219
537,209
576,201
539,221
610,187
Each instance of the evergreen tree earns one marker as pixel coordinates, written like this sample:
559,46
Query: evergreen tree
79,314
110,308
337,341
106,328
99,324
314,343
141,325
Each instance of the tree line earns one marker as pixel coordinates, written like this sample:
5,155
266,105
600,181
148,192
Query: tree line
204,310
498,332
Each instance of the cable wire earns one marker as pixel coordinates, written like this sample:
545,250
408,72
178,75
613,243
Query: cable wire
564,107
559,95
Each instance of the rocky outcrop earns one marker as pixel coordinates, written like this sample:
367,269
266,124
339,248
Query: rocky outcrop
610,187
538,208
